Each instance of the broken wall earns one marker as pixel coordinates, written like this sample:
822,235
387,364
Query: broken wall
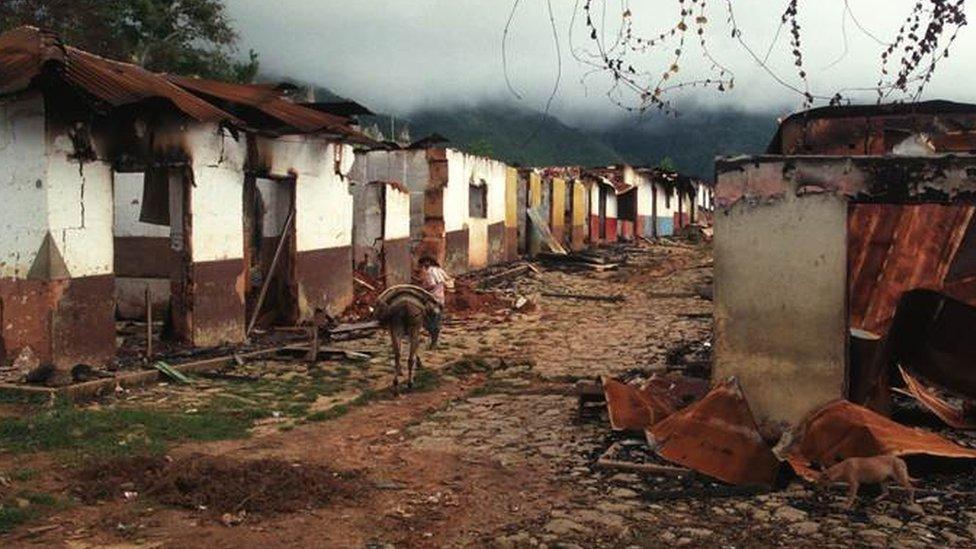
557,210
579,216
645,207
665,209
486,235
511,244
56,260
212,294
323,217
603,214
780,296
397,262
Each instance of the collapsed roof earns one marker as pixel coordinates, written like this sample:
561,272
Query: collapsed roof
27,53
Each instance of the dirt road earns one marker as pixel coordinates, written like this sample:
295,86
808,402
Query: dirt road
493,453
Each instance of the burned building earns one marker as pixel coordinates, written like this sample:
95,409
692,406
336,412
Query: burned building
124,181
461,207
843,251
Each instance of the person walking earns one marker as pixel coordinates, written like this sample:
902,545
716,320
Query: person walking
435,280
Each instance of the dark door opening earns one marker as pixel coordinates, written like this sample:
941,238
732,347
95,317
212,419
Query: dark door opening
270,250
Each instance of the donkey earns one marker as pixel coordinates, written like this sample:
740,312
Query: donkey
403,310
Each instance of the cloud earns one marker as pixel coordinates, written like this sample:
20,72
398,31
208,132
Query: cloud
402,55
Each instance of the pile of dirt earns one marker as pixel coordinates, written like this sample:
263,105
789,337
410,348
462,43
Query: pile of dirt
465,301
217,484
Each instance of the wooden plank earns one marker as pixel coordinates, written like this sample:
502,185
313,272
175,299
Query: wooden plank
644,468
611,298
542,228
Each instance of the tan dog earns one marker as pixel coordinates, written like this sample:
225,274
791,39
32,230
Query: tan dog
856,471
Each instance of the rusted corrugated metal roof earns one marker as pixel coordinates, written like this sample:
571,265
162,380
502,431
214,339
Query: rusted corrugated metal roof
876,129
893,248
717,436
26,52
633,408
842,429
295,118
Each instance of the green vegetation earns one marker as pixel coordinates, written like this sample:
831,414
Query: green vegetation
515,135
12,517
192,37
23,474
26,506
524,137
113,431
423,380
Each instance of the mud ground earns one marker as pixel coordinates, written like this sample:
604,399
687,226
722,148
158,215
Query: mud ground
492,452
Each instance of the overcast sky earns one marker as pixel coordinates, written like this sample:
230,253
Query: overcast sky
400,55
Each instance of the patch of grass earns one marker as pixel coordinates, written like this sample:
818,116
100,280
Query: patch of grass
334,412
23,473
114,431
12,517
39,498
425,380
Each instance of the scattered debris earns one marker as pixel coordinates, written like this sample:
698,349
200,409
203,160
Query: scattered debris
609,298
171,372
960,416
541,227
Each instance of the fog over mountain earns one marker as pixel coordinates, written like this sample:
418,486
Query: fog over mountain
427,59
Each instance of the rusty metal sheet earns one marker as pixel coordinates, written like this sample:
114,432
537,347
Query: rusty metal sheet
26,52
876,129
842,429
717,436
893,248
268,101
960,417
634,408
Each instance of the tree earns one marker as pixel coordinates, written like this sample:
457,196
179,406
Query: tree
190,37
646,69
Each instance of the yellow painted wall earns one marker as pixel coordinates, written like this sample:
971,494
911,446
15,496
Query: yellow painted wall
579,204
557,216
511,198
535,190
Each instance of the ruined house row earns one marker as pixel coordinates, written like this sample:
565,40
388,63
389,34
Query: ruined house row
124,189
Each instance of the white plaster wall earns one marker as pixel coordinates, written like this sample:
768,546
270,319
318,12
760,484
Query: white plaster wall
397,214
128,206
595,199
43,190
216,200
463,171
323,203
645,196
23,210
475,169
611,204
80,209
663,208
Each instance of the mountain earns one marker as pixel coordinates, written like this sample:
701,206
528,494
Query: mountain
516,135
692,140
520,136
